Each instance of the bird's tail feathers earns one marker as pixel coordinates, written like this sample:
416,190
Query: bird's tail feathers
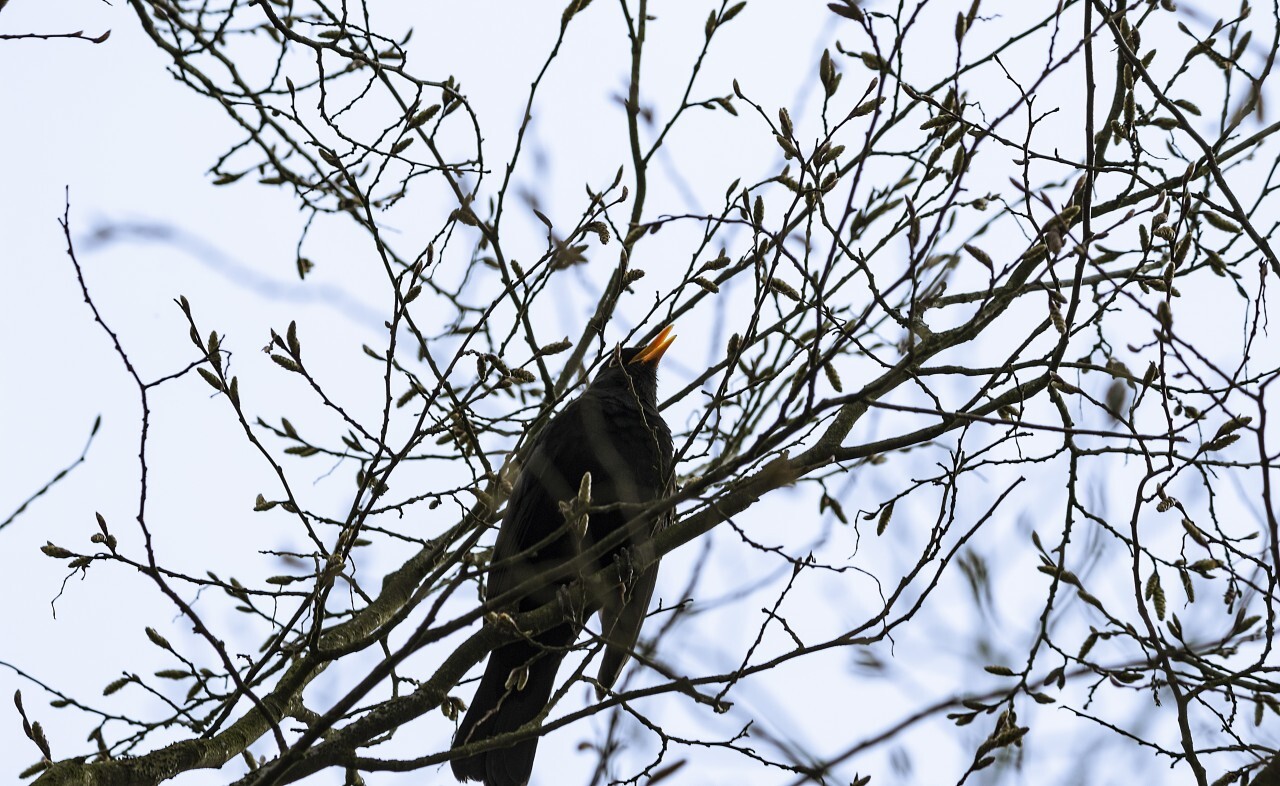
498,709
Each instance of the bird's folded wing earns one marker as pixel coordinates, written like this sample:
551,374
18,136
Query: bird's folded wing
620,620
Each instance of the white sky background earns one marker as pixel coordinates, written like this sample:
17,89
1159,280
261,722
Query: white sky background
133,145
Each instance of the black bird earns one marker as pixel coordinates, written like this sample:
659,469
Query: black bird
615,432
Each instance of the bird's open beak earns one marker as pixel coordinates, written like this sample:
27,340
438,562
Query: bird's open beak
652,353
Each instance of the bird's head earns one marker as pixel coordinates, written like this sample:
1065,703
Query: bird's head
636,368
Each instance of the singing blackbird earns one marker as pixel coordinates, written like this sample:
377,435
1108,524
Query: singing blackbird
615,432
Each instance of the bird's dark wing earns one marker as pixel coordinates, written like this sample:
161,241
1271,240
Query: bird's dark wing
623,613
532,539
533,534
620,621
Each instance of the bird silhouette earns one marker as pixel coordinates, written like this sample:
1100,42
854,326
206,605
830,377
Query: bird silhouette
614,432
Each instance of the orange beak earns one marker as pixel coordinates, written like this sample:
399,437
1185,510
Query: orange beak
652,353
